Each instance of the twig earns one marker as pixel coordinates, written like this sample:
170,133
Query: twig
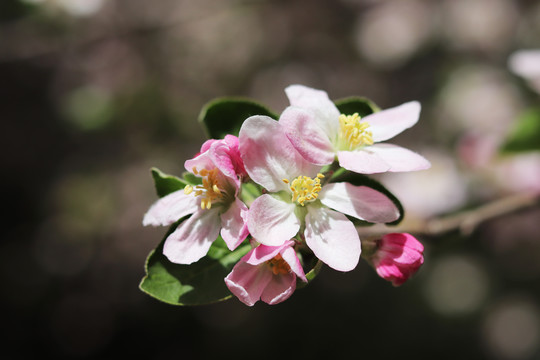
465,222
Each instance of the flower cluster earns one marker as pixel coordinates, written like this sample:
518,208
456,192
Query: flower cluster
302,207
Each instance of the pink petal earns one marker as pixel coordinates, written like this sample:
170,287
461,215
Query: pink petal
271,221
279,289
388,123
289,255
171,208
263,253
362,202
192,239
362,161
247,282
332,238
306,136
269,156
234,224
399,159
326,115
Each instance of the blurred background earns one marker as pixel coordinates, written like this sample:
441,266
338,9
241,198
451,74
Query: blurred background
93,93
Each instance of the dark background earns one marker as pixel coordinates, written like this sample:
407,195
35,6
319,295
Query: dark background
93,93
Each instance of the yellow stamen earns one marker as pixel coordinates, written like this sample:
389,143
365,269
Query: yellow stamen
304,188
354,133
278,265
211,189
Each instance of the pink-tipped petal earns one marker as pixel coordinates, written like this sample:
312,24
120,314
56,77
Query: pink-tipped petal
289,255
192,239
362,161
332,238
269,157
361,202
271,221
388,123
264,253
279,289
247,282
326,115
234,224
306,136
170,209
399,159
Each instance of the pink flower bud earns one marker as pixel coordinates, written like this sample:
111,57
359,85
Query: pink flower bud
398,257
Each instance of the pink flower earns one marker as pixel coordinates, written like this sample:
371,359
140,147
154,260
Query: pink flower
398,257
213,205
526,63
266,273
320,133
297,199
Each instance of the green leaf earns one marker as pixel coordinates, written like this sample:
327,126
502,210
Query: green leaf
526,133
359,180
224,116
166,184
195,284
355,104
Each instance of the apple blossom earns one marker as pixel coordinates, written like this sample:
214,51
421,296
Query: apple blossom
266,273
214,206
297,199
320,133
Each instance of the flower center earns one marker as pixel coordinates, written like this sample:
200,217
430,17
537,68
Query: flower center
305,188
354,133
210,190
278,265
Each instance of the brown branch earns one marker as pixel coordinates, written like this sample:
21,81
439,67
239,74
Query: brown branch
465,222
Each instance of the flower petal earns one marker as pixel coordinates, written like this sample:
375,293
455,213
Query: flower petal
271,221
399,159
264,253
192,239
333,238
362,202
362,161
170,209
325,112
269,157
388,123
279,288
234,224
289,255
306,136
247,282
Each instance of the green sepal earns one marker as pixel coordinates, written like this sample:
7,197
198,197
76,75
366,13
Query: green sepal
224,116
363,180
355,104
525,135
196,284
165,183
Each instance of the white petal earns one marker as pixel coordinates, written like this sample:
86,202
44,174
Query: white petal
388,123
317,101
271,221
269,157
192,239
333,238
171,208
362,202
399,159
